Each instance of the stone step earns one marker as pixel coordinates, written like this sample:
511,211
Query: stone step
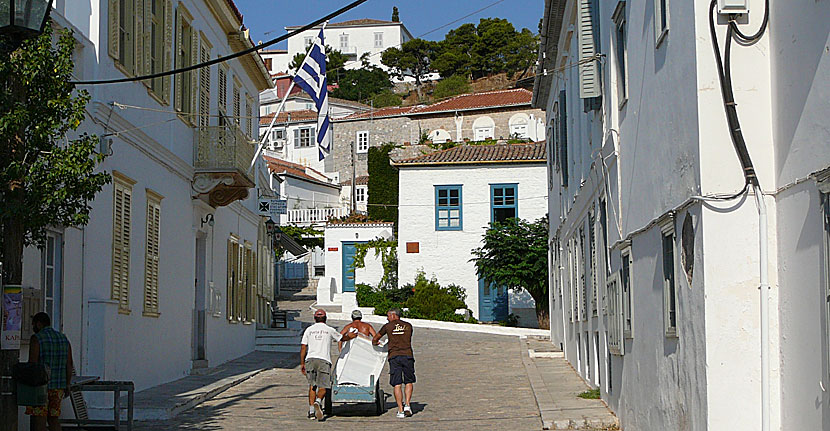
284,333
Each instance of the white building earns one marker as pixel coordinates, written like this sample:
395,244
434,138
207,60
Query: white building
449,198
354,38
172,272
276,60
655,291
270,100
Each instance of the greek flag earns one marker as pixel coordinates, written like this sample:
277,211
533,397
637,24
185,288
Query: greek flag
311,77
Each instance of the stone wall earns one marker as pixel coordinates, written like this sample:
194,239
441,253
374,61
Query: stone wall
407,129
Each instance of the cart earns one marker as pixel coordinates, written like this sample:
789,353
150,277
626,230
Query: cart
357,376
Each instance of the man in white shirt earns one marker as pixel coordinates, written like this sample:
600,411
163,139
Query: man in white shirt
315,360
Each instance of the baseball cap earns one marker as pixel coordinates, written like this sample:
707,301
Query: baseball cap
356,314
320,313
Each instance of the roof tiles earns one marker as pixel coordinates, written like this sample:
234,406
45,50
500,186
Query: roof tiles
473,154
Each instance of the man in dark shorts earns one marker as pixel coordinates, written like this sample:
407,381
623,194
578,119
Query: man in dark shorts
401,359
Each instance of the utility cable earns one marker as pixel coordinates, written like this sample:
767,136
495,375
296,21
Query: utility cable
247,51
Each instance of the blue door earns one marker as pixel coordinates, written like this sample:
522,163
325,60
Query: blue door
492,302
348,266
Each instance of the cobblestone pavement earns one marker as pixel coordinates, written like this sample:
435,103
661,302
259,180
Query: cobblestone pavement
465,381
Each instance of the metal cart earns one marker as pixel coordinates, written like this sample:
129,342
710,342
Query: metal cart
357,376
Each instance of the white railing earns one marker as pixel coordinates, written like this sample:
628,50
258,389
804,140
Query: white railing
315,215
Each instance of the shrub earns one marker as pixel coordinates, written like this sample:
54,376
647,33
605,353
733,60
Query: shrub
451,86
591,394
432,301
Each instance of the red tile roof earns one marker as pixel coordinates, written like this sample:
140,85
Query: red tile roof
294,116
361,181
235,10
282,167
475,154
362,21
464,102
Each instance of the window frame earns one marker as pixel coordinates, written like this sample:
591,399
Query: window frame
298,136
661,21
477,130
626,287
504,187
621,52
344,37
360,194
121,183
824,200
460,208
361,141
378,41
152,255
668,237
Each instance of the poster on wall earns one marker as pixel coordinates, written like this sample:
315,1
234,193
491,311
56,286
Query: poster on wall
12,318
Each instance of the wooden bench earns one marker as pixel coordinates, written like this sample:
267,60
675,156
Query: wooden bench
82,384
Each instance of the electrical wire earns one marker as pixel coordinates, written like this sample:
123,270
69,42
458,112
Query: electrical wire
758,34
247,51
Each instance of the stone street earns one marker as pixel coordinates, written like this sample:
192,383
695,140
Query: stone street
465,381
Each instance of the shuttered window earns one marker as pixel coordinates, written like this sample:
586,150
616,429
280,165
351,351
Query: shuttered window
233,278
204,85
249,114
669,285
592,241
562,121
589,79
824,186
222,104
151,255
621,52
236,103
615,317
661,21
121,46
187,48
625,291
121,233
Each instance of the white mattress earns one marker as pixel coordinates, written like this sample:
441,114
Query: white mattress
358,361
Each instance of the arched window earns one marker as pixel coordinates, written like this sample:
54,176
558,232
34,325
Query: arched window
484,128
439,136
519,124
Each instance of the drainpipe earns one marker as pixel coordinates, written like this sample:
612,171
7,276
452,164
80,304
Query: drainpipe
764,281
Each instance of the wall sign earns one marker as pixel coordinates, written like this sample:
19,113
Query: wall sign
332,248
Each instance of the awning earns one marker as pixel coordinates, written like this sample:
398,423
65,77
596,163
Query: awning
289,244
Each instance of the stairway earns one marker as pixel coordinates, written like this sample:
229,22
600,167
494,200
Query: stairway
285,340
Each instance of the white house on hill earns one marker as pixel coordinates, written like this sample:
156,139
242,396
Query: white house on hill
448,199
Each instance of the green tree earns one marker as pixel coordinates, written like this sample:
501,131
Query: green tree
334,63
395,16
451,86
307,237
383,185
454,54
514,254
520,53
47,171
411,59
361,84
386,98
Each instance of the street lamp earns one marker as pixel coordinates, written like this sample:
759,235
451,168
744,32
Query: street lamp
22,19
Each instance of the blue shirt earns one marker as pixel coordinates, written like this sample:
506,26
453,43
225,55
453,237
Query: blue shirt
54,351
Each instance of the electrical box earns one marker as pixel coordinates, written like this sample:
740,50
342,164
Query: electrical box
727,7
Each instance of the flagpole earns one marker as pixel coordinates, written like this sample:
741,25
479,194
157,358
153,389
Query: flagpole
279,109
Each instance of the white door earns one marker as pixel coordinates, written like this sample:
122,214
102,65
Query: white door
483,133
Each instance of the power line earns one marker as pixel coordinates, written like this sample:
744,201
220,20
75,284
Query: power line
247,51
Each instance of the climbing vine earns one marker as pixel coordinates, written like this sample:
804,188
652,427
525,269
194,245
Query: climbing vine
388,252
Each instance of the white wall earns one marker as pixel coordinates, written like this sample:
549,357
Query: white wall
279,61
336,235
446,254
303,194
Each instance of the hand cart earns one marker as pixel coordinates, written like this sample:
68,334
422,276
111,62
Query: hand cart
357,375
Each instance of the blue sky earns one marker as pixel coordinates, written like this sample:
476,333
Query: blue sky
419,16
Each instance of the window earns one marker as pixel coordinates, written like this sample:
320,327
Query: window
825,205
277,137
503,202
616,344
573,279
588,46
151,255
669,287
448,208
483,133
625,286
583,285
344,42
362,142
187,45
661,21
234,278
269,63
360,194
378,39
204,85
157,44
222,104
621,52
121,233
51,281
307,41
439,136
121,45
518,126
237,103
304,137
483,128
562,121
592,247
249,116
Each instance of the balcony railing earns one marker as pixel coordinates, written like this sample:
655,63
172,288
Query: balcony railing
315,215
223,149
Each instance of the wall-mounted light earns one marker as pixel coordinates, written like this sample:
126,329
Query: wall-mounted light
208,219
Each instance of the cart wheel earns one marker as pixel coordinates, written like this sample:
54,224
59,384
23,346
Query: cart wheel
327,409
380,400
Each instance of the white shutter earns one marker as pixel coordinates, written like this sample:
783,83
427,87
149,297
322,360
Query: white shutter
614,325
179,57
167,52
194,76
114,16
138,33
589,84
204,88
151,258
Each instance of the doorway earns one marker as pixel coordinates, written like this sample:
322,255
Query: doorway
347,269
52,279
492,302
199,317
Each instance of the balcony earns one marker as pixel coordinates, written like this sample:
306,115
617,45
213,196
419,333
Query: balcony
315,215
222,155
